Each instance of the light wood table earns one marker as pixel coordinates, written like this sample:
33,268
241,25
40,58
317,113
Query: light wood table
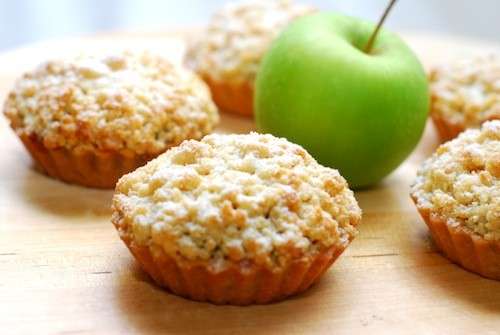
64,270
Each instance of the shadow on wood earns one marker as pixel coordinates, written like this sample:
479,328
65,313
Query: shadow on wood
151,309
58,198
446,278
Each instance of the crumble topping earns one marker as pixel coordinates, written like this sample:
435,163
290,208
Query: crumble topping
125,102
236,197
461,181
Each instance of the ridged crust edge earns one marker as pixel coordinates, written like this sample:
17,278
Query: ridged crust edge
231,97
241,283
89,168
469,250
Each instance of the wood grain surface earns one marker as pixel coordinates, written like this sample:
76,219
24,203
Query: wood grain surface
63,269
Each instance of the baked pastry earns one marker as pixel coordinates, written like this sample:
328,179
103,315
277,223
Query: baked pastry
457,192
235,219
91,119
228,53
465,94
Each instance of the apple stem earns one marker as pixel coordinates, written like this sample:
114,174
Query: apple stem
371,41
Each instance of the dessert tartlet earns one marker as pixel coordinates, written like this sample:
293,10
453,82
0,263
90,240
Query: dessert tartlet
465,94
235,219
91,119
457,192
228,53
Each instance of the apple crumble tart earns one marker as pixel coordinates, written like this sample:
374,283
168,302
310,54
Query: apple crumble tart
235,219
91,119
465,94
228,53
457,192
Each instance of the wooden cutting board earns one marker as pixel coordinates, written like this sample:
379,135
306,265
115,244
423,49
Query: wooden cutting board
63,268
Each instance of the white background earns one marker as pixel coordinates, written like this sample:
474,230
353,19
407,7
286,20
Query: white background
25,21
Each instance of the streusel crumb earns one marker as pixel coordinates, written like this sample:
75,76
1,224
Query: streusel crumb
461,181
135,102
236,197
237,37
467,92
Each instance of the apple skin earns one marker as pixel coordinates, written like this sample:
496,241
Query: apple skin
362,114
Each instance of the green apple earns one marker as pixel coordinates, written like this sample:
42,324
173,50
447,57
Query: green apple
362,113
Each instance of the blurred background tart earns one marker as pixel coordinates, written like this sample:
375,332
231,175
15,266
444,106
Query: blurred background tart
228,52
465,94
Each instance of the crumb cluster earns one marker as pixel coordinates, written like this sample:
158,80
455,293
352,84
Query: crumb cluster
461,181
236,197
135,102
